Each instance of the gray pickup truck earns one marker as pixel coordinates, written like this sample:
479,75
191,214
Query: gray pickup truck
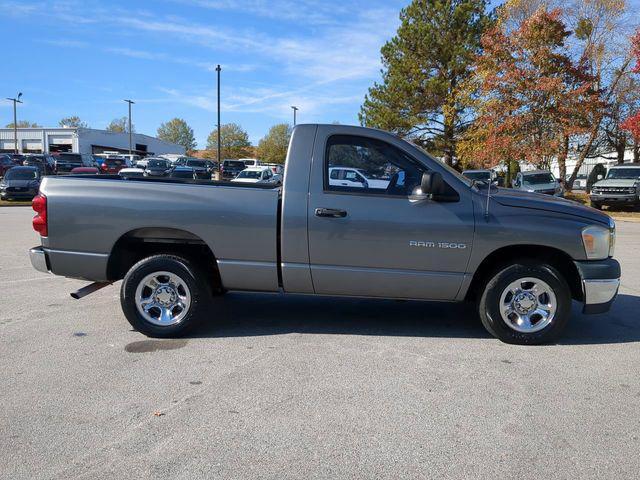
422,232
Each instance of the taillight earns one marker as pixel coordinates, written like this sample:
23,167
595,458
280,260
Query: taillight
104,167
39,205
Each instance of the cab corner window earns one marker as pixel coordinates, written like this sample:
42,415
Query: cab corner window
364,165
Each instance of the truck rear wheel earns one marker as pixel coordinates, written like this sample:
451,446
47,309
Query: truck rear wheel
526,304
164,296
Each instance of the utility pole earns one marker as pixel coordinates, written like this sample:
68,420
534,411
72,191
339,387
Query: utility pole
15,121
218,69
295,110
130,102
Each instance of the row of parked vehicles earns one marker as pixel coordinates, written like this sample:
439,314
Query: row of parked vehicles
22,173
620,186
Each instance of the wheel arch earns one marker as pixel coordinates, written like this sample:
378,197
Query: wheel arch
497,259
140,243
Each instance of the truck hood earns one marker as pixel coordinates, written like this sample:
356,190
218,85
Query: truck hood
617,182
519,199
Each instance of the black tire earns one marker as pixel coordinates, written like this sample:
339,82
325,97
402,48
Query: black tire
198,288
596,205
489,303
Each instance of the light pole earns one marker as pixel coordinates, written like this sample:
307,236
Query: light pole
15,121
295,110
130,102
218,69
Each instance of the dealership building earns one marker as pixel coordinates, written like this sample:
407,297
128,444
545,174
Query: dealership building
82,140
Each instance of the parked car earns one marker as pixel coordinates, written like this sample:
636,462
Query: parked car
231,168
17,158
538,181
113,165
255,175
276,168
521,258
620,187
157,167
5,164
203,168
20,182
482,175
85,171
250,162
355,178
183,172
131,172
580,183
45,163
65,162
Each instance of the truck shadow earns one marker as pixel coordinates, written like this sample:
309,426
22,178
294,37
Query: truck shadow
251,314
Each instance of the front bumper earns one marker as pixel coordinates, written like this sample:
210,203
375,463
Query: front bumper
614,198
600,284
39,259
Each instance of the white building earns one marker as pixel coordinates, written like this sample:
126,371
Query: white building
82,140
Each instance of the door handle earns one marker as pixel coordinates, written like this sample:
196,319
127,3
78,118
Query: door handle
330,213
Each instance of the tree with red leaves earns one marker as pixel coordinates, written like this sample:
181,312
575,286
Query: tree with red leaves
532,95
632,124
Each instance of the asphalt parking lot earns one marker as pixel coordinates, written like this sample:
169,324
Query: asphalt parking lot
302,387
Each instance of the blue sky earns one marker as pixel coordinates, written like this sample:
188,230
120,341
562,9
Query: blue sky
84,57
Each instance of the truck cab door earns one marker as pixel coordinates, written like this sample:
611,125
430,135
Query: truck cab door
383,240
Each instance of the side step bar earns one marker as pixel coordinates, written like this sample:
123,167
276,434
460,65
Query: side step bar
92,287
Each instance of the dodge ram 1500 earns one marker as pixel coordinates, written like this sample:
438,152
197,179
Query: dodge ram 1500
415,230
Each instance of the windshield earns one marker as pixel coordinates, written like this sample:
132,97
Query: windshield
21,174
624,173
197,163
234,164
484,176
157,164
249,174
538,178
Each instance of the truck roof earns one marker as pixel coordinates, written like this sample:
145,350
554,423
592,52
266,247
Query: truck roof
626,165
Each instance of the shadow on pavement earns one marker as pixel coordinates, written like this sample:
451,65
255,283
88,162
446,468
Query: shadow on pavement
620,325
251,314
267,314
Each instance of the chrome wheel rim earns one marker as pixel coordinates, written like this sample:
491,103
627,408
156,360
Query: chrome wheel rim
163,298
528,305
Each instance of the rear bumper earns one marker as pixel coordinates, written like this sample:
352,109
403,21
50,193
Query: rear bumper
39,259
600,284
82,265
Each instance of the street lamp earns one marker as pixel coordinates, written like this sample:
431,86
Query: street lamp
15,121
218,70
295,110
130,102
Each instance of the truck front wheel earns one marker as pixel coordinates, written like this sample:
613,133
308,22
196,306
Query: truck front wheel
164,296
526,303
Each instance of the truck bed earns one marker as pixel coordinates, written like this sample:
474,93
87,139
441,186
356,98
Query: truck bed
88,215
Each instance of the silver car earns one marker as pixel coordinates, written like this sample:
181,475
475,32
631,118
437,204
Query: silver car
538,181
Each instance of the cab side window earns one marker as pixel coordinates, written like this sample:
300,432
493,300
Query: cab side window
369,166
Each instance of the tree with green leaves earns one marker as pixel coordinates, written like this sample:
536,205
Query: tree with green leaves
73,121
24,124
179,132
424,66
120,125
234,141
273,146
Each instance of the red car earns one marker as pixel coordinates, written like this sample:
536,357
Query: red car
113,165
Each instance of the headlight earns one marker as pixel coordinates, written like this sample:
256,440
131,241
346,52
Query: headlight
597,242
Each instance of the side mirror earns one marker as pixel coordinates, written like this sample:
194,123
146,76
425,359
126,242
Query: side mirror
432,183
